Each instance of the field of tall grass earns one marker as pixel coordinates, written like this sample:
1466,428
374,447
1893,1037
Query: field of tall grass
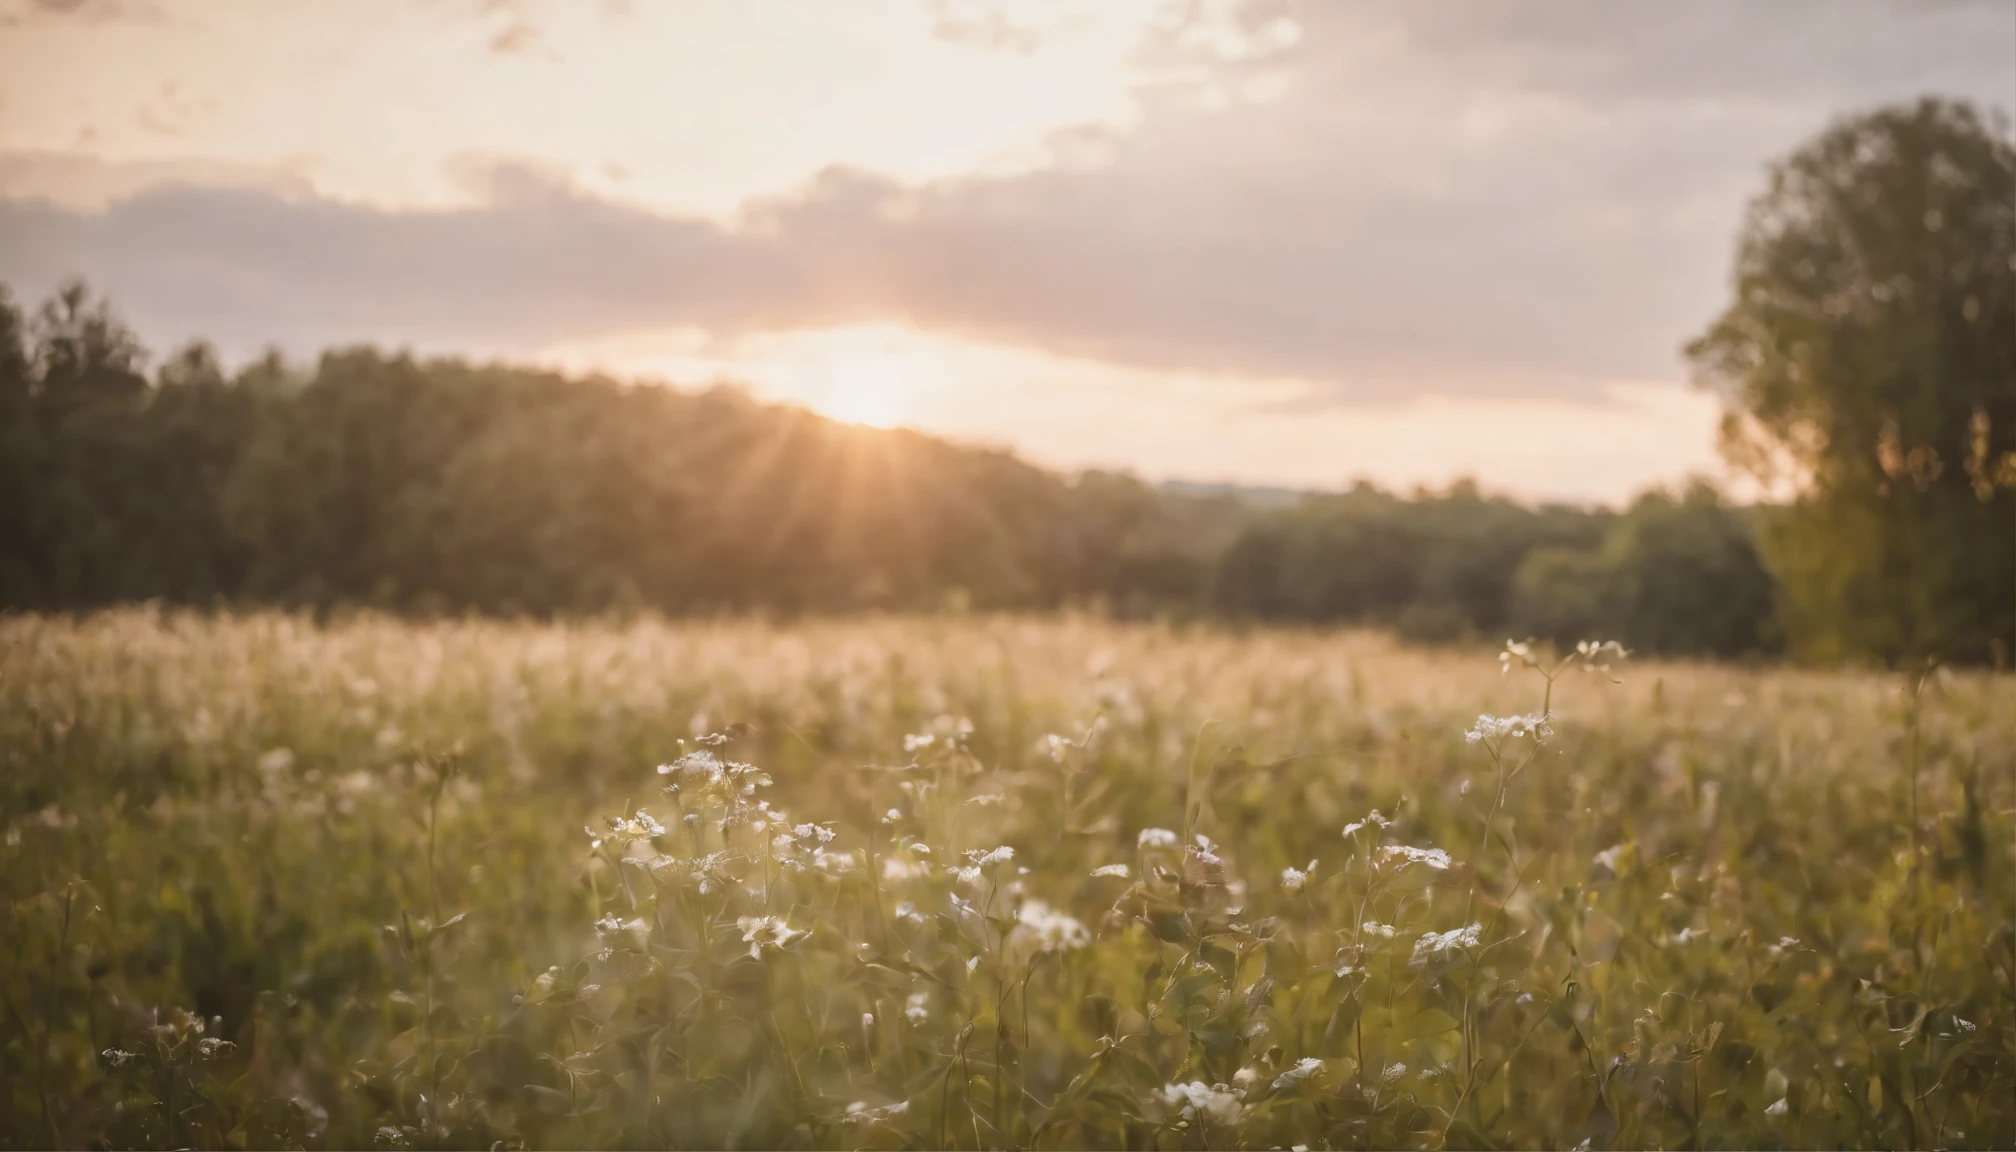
987,883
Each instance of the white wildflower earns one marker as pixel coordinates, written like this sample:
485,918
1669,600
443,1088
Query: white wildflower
1519,651
1778,1109
760,932
1292,879
832,863
1433,857
1244,1077
903,868
1595,655
1436,944
1304,1068
1050,929
860,1113
1374,928
1394,1071
210,1048
1197,1099
639,827
1608,857
1374,820
1156,838
117,1057
908,913
614,926
918,741
917,1009
999,855
1117,870
1494,728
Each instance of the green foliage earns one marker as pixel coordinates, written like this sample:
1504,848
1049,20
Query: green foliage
1674,575
1440,566
267,883
1870,360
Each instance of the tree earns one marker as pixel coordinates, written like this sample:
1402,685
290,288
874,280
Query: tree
1869,363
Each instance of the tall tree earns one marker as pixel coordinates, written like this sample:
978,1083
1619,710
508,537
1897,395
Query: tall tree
1869,362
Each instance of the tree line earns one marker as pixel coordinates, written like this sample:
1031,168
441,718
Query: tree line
1868,363
434,486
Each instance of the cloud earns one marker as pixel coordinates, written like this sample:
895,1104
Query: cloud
1381,200
85,11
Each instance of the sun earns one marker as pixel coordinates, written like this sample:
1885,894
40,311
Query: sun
870,376
866,401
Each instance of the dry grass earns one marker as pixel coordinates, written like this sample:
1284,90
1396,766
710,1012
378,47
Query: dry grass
1704,913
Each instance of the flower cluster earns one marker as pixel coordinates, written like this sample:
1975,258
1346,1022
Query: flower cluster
1401,855
1196,1099
1047,930
1495,728
1436,945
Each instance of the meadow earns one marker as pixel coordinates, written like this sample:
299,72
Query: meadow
987,882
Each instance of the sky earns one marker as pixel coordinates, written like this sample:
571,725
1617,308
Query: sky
1252,241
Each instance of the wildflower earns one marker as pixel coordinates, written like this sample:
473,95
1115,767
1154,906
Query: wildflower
1198,1099
639,827
1595,655
117,1058
1050,930
611,926
1394,1071
832,863
1436,944
1156,838
908,913
1244,1077
1516,650
1434,858
999,855
1056,746
916,1009
1778,1109
1292,879
760,932
903,868
1608,857
1495,728
1373,820
860,1113
1304,1068
1374,928
918,741
1117,870
210,1048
